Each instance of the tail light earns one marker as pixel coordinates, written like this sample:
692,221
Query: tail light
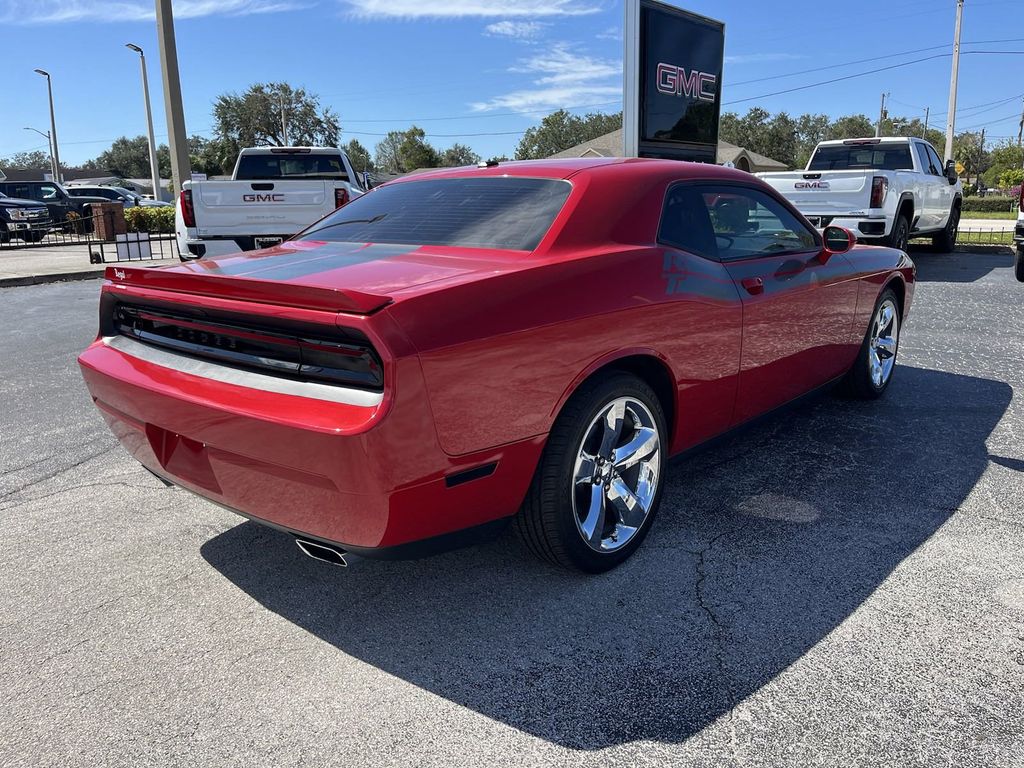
879,189
188,213
340,197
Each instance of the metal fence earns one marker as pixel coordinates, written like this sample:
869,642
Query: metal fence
86,232
985,237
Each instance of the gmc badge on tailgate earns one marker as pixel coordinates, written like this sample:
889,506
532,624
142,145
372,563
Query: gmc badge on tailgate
263,198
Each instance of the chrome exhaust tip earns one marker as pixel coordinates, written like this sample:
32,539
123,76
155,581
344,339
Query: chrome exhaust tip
322,552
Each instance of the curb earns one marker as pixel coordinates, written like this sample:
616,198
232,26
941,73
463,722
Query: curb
59,277
982,248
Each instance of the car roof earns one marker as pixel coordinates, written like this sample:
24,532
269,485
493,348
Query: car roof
566,168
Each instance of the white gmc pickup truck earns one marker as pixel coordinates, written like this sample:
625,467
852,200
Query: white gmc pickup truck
1018,236
887,190
273,193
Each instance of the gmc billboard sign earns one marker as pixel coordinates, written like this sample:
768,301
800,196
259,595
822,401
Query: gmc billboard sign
672,83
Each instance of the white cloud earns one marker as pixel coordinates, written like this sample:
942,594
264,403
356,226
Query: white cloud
518,30
562,78
611,33
760,58
413,9
59,11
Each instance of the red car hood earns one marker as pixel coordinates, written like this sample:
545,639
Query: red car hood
347,277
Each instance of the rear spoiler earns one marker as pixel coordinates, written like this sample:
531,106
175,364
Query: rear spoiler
250,289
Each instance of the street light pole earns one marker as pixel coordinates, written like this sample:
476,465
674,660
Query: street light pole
154,167
54,153
181,166
951,115
49,144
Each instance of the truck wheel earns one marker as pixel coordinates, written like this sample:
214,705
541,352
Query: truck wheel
900,236
945,241
1018,267
596,489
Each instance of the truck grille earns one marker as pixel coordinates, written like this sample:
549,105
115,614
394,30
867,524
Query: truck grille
302,356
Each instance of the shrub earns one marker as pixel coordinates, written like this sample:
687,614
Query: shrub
988,204
150,219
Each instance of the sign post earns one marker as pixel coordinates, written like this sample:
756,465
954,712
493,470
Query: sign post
672,82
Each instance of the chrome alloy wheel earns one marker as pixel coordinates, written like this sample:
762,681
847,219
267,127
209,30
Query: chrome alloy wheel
616,474
885,339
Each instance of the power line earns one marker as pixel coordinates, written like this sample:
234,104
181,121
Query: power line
862,74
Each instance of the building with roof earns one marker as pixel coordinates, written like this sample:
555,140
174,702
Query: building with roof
610,145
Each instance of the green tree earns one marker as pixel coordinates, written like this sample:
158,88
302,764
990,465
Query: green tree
214,157
562,130
1005,158
968,150
405,151
1012,177
459,154
851,127
253,118
129,159
359,156
35,160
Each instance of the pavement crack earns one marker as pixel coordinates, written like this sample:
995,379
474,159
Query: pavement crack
59,472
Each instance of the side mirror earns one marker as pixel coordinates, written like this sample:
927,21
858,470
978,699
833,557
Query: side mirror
837,240
951,174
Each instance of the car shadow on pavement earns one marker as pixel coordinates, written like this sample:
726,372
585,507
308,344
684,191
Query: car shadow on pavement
763,546
959,267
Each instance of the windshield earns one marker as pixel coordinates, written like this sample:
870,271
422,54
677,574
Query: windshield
479,212
290,166
875,157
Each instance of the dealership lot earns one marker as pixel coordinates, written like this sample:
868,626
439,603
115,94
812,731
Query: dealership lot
843,584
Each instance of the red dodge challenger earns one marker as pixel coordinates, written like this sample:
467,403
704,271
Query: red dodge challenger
456,348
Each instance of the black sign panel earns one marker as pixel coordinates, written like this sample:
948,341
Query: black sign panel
680,89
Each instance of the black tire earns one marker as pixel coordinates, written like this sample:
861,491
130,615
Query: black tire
547,522
1018,265
945,241
858,382
900,235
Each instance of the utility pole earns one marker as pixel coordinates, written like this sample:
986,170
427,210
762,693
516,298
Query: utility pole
181,166
1020,131
154,166
881,115
927,112
954,77
54,154
284,121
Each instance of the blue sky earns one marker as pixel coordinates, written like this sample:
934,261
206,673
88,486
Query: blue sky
483,66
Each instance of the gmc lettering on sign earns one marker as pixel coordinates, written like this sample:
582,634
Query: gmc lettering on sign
677,81
278,198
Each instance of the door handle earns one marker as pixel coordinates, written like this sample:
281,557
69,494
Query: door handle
754,285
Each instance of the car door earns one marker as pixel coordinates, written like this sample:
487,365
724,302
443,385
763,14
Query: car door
50,194
931,198
798,303
945,192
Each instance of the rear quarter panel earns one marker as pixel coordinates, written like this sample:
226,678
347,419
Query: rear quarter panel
876,268
501,355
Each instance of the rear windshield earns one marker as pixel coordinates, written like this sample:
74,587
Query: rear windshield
875,157
288,166
491,212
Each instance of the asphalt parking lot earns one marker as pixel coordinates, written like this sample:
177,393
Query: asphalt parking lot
843,585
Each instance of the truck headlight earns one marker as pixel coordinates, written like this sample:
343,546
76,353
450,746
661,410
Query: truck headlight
17,214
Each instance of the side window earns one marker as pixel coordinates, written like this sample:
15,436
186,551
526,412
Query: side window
47,192
927,166
731,222
939,165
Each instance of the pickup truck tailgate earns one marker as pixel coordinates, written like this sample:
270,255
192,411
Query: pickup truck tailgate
825,192
226,208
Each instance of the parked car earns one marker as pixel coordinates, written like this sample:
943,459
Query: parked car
24,219
54,196
114,194
459,348
274,192
885,190
1018,236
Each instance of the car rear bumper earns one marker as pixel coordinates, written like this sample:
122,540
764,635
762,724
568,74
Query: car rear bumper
363,476
862,226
